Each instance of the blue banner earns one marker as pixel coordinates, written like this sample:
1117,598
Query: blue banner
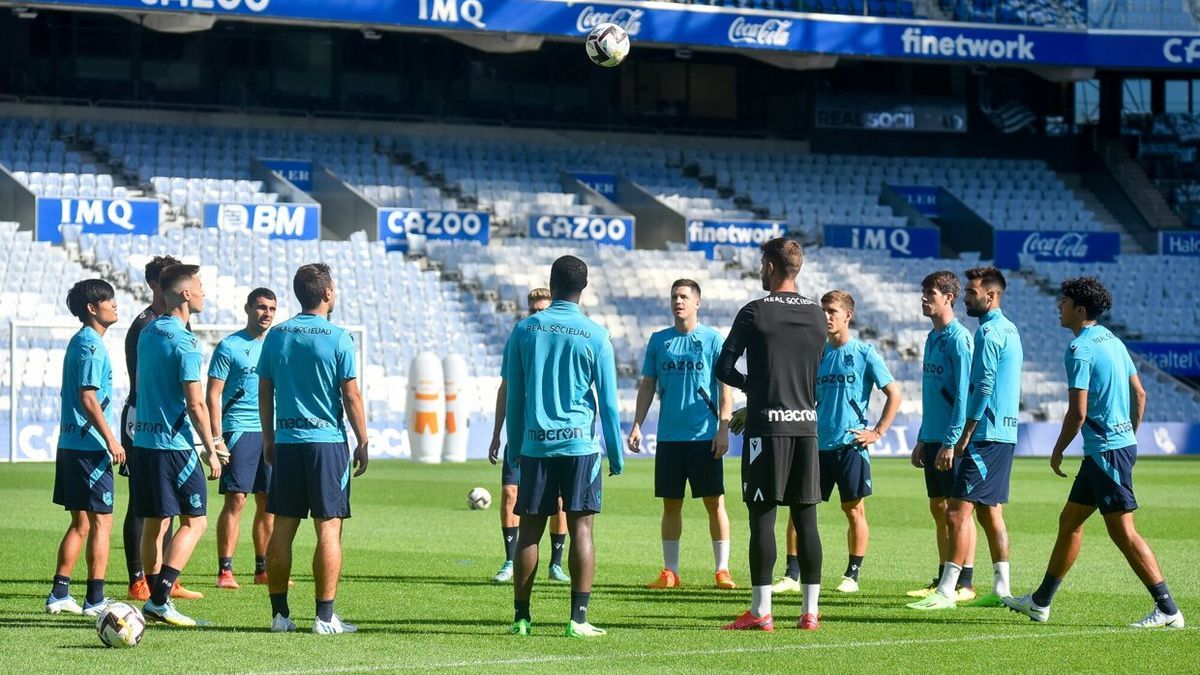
1052,246
707,235
298,172
901,242
1179,242
395,225
277,221
924,198
1177,358
604,183
96,216
600,229
722,28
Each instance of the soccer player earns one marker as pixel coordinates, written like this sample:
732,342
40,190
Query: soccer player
233,411
985,447
849,370
1106,402
947,371
132,528
782,335
537,300
87,449
308,377
560,368
167,478
693,434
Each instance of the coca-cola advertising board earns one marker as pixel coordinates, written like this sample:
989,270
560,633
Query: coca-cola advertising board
1013,246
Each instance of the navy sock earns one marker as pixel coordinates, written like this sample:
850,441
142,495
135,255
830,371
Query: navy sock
941,569
325,610
1162,598
61,587
1044,594
260,564
150,578
510,542
225,564
966,577
134,577
279,605
160,592
854,566
558,542
793,567
579,605
521,610
95,591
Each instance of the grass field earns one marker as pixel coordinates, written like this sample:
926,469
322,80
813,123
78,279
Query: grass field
418,563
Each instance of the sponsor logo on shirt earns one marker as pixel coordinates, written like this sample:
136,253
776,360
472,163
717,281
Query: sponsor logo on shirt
558,329
150,427
788,300
837,379
303,423
681,365
304,330
548,435
778,415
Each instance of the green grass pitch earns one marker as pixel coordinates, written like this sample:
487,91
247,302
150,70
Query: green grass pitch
418,563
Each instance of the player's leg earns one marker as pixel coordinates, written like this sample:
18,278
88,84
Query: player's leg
811,558
762,458
583,568
279,567
558,545
72,543
264,525
991,519
707,477
99,535
853,476
958,520
327,568
509,520
1142,561
857,534
537,500
1036,605
228,529
670,480
790,581
131,525
718,532
328,478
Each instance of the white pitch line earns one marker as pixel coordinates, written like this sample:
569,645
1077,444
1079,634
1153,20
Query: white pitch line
757,649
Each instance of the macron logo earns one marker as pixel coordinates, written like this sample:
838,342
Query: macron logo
791,416
960,46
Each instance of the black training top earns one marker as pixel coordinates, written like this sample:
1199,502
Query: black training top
783,335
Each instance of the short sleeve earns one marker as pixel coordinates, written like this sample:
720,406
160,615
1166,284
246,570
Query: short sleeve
1079,371
347,364
190,359
91,371
510,356
1130,368
650,362
877,370
218,367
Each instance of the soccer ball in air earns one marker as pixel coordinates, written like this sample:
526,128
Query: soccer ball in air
120,625
478,498
607,45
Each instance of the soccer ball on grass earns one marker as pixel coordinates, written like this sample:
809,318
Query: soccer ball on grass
478,498
120,625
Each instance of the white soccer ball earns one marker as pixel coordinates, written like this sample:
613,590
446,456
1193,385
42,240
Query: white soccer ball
120,625
607,45
478,498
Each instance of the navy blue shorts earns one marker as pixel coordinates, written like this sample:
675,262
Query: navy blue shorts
509,475
1105,481
938,484
849,467
169,483
246,471
984,473
544,479
310,478
678,463
83,480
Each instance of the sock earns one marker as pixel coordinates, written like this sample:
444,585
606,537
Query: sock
521,610
150,578
854,566
760,601
579,605
135,577
812,592
1000,583
1044,594
949,580
510,542
160,592
793,567
225,564
279,605
671,554
721,554
95,591
260,564
941,571
325,610
558,543
61,587
967,577
1162,598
